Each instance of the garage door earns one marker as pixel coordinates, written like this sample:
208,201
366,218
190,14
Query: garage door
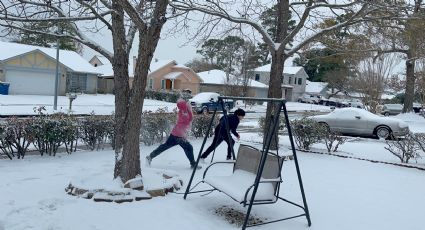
30,83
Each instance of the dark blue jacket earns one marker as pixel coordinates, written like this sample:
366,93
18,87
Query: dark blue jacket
233,124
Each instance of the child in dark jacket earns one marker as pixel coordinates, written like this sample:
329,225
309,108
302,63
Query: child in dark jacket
220,133
178,134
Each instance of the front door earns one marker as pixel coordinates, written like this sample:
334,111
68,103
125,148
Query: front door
168,84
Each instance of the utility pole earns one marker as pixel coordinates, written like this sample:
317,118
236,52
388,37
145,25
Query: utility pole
55,103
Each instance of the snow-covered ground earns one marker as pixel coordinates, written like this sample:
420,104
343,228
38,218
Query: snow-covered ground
341,193
102,104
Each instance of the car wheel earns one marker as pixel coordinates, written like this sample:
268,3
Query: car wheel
383,132
205,110
386,114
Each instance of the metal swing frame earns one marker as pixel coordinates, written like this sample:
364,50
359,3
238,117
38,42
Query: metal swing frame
264,153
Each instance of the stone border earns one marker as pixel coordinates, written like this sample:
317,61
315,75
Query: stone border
130,195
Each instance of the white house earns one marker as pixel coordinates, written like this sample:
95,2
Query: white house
32,70
293,80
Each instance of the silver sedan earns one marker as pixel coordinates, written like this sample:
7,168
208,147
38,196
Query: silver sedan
359,122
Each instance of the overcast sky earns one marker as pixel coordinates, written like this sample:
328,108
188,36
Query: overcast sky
168,48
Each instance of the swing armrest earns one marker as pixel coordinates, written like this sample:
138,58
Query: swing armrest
262,180
217,162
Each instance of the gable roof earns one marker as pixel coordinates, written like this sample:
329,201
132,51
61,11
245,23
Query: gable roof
286,69
219,77
70,59
107,70
102,59
315,87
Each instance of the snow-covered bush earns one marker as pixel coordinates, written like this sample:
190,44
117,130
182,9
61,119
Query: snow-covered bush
165,95
420,141
306,132
332,140
404,148
18,135
200,125
47,133
94,131
70,133
5,147
156,126
262,122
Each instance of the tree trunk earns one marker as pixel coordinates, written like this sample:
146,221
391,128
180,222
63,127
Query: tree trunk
410,84
276,72
121,82
275,91
127,165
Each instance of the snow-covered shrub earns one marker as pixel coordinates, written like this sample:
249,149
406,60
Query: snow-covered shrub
70,133
5,147
166,95
306,132
420,141
47,134
332,140
94,131
404,148
262,122
200,125
156,126
18,135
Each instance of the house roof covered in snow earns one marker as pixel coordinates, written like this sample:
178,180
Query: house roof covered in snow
68,58
286,69
315,87
106,68
219,77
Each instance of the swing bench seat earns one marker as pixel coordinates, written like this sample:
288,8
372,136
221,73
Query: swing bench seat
240,184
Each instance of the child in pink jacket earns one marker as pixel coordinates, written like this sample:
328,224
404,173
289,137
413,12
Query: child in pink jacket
178,134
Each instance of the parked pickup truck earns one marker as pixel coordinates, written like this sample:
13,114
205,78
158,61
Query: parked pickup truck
206,102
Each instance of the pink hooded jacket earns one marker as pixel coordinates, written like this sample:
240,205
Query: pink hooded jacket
184,119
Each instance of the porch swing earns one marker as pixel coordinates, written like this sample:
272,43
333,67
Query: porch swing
256,176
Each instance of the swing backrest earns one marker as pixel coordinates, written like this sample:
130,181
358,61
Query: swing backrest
249,158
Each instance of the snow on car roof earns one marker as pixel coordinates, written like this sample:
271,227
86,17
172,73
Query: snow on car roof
204,96
355,110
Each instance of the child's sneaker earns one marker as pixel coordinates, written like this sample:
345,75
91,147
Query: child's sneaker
228,158
148,160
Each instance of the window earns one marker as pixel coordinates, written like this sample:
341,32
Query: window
300,81
281,79
76,82
150,83
257,77
162,84
290,80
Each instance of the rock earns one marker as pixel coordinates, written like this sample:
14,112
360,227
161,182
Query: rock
102,199
135,183
156,192
122,200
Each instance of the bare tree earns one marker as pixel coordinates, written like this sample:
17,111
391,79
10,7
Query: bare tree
307,13
147,17
400,30
371,78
